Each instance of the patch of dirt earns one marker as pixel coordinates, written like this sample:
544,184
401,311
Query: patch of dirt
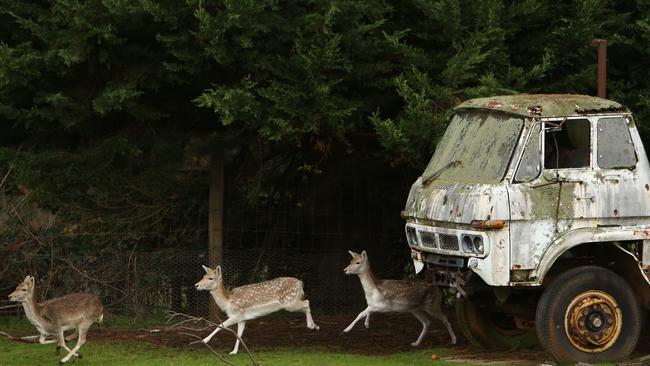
388,333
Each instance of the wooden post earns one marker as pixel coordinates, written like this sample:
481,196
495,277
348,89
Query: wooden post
602,66
215,219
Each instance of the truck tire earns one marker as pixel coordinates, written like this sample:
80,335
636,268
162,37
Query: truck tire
491,330
588,314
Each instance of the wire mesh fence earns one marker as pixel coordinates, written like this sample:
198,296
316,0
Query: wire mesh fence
142,275
142,283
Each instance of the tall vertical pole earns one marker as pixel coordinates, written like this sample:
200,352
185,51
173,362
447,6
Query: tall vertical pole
602,65
215,218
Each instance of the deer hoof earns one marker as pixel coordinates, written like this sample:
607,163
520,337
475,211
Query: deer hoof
79,355
58,350
415,344
314,327
232,352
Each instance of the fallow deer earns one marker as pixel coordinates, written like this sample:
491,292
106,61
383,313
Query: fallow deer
253,301
53,317
415,297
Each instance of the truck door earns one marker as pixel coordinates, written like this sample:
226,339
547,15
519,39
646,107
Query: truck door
622,193
553,189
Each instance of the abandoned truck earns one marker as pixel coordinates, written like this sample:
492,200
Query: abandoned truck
536,208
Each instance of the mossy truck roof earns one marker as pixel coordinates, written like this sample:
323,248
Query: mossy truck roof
470,190
544,105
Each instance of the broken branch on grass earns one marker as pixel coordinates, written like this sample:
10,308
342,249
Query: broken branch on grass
210,348
185,319
26,339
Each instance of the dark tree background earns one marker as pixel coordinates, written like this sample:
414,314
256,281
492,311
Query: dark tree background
323,111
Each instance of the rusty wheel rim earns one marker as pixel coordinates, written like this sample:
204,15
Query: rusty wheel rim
593,321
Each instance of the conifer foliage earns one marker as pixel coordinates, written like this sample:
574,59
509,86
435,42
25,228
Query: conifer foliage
108,106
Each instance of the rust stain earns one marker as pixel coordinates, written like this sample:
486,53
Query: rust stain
494,105
535,110
489,224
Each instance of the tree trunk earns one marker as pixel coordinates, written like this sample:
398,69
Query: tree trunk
215,218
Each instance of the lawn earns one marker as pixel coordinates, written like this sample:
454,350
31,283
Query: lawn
144,354
123,342
116,351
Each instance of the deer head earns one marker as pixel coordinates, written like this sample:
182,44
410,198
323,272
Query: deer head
358,264
24,290
211,280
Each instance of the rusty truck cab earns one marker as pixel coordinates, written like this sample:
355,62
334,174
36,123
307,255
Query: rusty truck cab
523,194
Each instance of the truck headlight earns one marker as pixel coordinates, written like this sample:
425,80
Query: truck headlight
466,241
473,244
477,245
411,236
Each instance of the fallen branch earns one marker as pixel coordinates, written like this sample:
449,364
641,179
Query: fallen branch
185,319
25,339
207,345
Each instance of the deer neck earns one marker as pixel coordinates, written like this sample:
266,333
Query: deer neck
33,314
368,282
221,296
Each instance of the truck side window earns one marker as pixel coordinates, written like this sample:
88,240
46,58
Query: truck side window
615,147
531,164
567,145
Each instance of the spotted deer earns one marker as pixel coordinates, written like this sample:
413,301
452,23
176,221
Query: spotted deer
55,316
415,297
254,300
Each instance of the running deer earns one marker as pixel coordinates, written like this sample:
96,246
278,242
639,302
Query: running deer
53,317
253,301
417,298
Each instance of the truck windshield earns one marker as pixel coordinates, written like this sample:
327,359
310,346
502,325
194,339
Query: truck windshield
476,148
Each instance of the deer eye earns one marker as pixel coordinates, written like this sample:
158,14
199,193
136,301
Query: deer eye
24,289
211,278
358,263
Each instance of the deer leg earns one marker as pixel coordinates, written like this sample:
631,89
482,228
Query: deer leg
443,318
240,330
425,326
361,315
226,324
80,341
60,339
310,321
367,321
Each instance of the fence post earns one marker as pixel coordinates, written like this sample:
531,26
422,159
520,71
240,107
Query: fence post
215,218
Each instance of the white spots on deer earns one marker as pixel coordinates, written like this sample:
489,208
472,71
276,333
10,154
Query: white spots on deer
254,300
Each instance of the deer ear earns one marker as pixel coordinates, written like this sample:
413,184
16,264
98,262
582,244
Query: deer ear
206,269
218,270
353,254
364,255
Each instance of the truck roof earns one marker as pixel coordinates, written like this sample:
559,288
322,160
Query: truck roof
545,105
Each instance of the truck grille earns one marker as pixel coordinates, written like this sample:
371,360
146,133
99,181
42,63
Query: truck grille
431,239
448,242
428,239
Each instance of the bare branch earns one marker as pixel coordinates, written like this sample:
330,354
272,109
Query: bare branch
91,278
185,319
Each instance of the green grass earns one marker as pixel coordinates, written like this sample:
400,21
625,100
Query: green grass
145,354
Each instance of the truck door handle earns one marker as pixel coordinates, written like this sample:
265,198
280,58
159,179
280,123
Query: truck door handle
612,177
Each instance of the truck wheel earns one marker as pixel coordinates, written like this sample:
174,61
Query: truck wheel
588,314
492,330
